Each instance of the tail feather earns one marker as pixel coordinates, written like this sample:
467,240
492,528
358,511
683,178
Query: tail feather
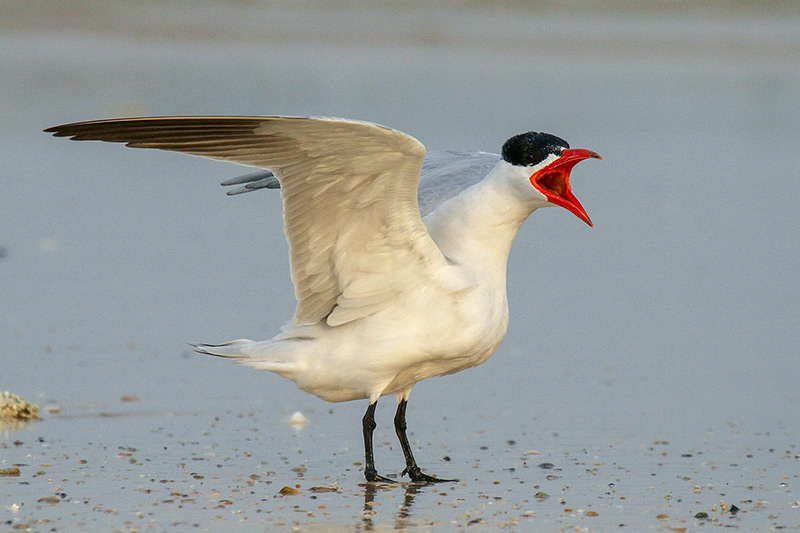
275,357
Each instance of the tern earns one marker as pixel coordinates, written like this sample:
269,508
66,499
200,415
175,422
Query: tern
398,259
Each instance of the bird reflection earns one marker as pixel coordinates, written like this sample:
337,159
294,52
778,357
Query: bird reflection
403,518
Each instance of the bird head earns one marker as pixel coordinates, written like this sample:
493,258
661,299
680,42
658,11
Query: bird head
546,162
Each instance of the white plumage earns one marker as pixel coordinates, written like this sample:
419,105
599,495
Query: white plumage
385,297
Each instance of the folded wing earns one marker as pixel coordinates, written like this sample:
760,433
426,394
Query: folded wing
349,192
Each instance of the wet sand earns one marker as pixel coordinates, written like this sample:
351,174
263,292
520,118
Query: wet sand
649,375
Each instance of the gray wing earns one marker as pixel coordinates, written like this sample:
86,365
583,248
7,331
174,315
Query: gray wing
444,175
263,179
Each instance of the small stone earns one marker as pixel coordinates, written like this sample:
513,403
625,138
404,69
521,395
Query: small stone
289,491
49,499
9,472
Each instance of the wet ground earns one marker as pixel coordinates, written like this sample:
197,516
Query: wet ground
127,469
649,377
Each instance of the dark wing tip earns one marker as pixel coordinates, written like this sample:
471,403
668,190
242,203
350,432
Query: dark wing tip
153,127
57,131
75,130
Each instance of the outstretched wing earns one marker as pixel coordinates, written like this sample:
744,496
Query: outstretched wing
444,175
349,193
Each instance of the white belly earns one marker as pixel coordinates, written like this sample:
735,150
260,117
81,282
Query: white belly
389,352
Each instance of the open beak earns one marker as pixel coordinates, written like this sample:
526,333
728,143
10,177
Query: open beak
553,181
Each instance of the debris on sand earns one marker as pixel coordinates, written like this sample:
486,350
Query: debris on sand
331,488
12,406
297,420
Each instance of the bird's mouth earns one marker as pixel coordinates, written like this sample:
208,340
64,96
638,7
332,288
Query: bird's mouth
553,181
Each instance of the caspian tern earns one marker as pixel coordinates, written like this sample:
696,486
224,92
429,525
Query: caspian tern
398,260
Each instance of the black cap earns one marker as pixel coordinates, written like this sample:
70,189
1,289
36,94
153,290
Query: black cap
529,149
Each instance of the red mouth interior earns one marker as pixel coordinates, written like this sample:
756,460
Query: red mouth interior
556,183
553,181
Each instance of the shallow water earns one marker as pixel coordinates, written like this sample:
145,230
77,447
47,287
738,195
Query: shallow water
652,360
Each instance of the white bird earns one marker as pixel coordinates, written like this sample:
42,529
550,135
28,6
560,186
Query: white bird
398,277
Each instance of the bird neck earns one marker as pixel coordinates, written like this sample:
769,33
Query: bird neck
478,226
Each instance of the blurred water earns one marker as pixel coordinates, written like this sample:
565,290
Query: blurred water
673,322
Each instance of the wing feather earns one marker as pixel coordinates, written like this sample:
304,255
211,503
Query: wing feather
349,192
446,174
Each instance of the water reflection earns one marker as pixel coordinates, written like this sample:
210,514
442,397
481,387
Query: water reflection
403,519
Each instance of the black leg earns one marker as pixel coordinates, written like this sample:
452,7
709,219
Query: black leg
368,424
412,469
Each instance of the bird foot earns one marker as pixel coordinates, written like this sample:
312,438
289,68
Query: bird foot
417,476
373,477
